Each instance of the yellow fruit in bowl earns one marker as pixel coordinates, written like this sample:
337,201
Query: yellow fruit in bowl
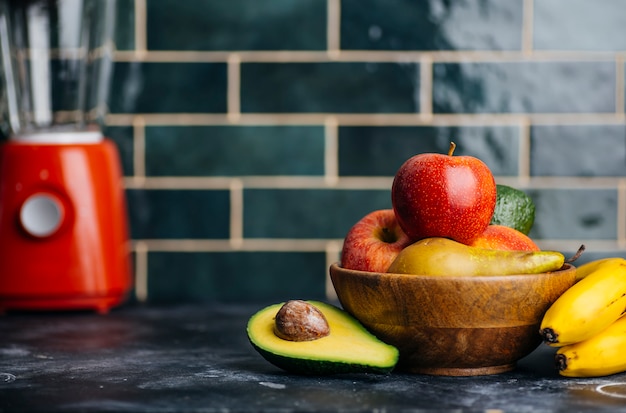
445,257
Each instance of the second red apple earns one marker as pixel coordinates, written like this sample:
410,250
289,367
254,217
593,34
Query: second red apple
373,242
500,237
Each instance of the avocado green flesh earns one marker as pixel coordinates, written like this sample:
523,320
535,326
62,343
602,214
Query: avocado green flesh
349,348
514,208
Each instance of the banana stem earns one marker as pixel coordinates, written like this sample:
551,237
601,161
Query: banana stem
549,336
560,361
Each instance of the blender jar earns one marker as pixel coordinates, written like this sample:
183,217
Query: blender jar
56,66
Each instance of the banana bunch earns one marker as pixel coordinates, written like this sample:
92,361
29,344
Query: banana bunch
586,321
600,355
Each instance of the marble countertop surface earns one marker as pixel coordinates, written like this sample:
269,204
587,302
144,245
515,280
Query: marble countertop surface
197,358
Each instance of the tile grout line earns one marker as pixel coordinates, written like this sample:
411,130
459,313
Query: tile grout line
342,55
233,88
225,245
619,86
275,182
621,213
141,271
331,151
141,27
527,27
333,254
333,29
426,88
139,148
369,119
524,151
236,213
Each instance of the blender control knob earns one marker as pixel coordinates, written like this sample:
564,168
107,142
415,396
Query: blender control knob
41,215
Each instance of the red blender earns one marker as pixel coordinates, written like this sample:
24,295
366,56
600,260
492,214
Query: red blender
64,242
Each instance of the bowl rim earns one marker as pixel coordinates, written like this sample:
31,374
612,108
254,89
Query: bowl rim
456,278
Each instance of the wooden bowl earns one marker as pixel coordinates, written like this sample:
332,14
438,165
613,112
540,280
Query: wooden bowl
452,326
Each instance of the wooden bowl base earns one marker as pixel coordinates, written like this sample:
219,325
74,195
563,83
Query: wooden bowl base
458,372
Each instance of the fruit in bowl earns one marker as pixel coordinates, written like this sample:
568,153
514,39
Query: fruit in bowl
445,257
373,242
514,208
452,325
501,237
441,195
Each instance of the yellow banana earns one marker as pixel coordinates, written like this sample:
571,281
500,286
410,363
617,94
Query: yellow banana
587,268
588,307
601,355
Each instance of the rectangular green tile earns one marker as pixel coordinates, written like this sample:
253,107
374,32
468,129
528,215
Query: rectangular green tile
236,25
584,214
149,87
524,87
308,213
428,25
380,150
339,87
234,150
179,214
123,138
235,276
578,150
124,36
579,25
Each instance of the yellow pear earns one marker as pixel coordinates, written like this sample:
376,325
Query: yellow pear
445,257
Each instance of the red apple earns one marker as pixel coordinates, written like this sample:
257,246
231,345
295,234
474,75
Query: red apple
499,237
437,195
373,242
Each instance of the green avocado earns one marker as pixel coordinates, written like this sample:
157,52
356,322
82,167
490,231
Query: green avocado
514,208
349,348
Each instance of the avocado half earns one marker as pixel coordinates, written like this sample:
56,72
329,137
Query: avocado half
349,348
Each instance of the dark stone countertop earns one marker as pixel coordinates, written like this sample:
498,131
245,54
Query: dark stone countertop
198,359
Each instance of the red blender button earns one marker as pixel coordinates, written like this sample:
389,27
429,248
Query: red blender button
41,215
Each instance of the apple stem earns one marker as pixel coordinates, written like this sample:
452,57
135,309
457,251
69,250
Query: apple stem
452,148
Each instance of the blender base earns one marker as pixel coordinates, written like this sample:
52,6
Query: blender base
64,241
101,304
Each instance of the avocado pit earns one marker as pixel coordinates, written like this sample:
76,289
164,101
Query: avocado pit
298,320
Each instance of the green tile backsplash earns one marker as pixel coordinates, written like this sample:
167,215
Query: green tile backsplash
168,87
290,213
430,25
551,156
269,150
179,214
234,276
344,87
253,135
524,87
380,150
573,213
236,25
558,25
